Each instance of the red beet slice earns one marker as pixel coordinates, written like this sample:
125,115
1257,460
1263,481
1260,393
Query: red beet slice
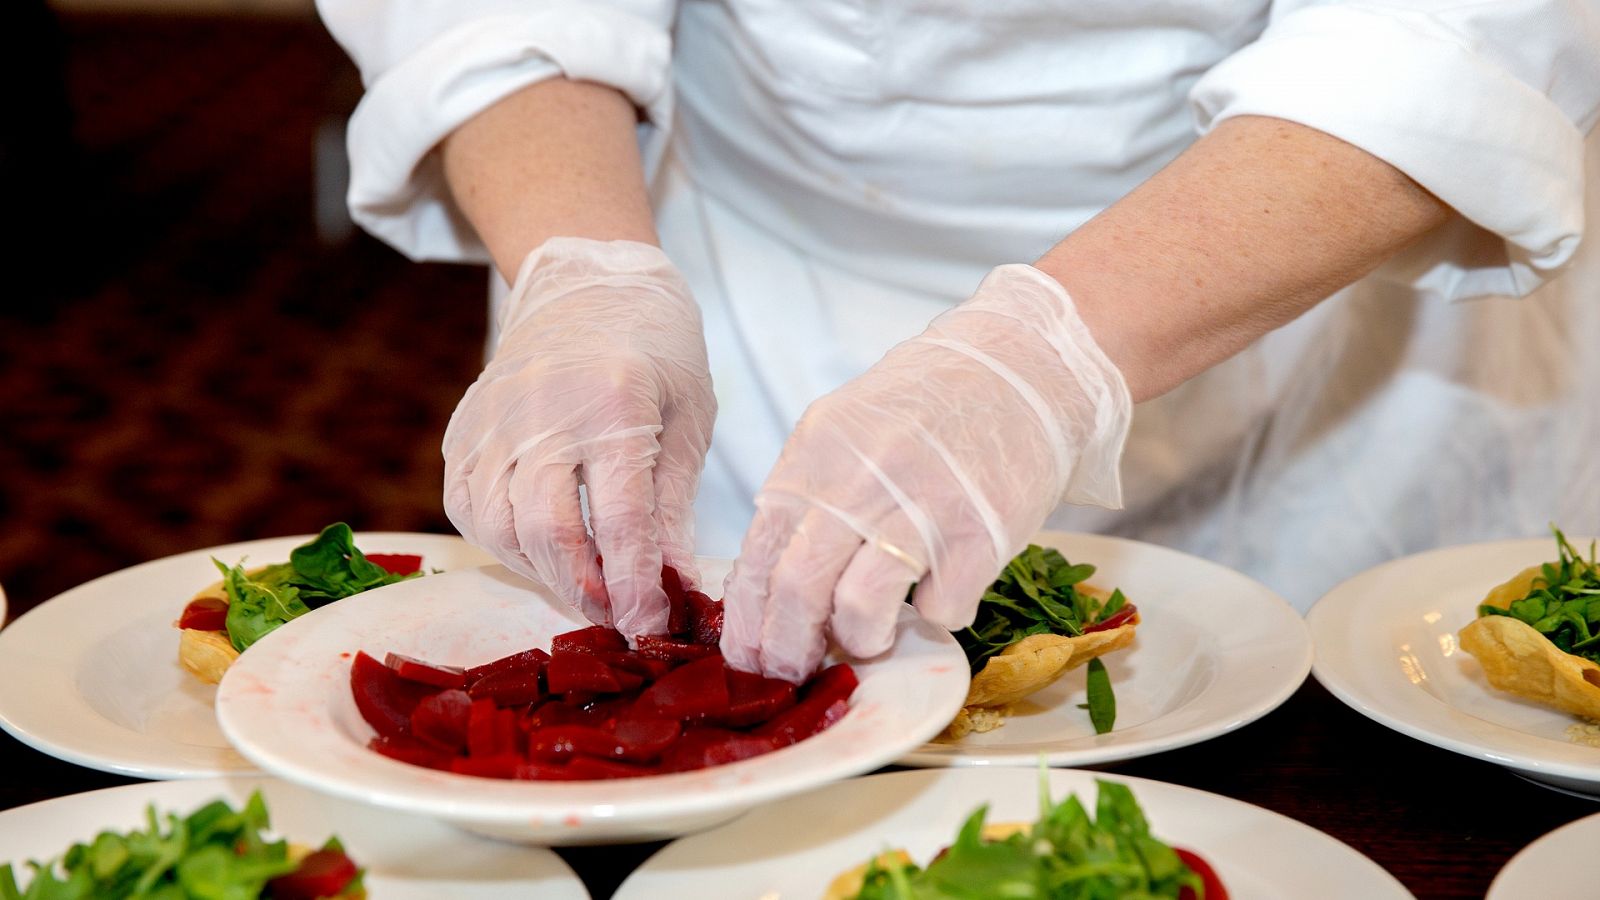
571,670
672,649
498,765
593,638
804,720
637,663
753,699
592,769
677,604
491,731
413,751
541,771
524,661
442,719
1208,876
323,873
385,699
644,740
562,742
396,563
412,669
508,688
692,690
836,682
705,619
700,748
205,614
1122,617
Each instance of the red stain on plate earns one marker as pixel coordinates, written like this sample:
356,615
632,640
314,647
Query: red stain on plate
345,655
572,821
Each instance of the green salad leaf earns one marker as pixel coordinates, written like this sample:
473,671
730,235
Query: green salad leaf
1038,594
327,568
1067,853
1563,603
214,853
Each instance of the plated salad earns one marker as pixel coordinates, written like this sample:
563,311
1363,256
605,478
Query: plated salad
224,619
1538,634
1066,853
591,708
214,853
1038,621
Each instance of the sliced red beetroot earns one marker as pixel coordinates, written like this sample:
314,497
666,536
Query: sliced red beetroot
637,663
700,748
543,771
508,688
753,699
205,614
491,731
412,669
836,682
396,563
678,621
324,873
803,720
562,742
498,765
442,719
525,661
385,699
644,740
570,670
584,640
673,650
1122,617
593,769
692,690
705,619
413,751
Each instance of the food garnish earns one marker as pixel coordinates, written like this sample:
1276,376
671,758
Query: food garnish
591,708
247,604
214,852
1066,853
1538,634
1038,621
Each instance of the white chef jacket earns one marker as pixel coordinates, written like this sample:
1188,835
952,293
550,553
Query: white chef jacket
830,174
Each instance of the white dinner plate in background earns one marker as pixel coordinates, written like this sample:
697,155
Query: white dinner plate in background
1387,645
1214,650
405,858
792,849
1562,865
92,676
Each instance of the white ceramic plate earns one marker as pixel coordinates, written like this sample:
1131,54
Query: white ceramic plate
406,858
1214,651
1562,865
1386,645
791,850
92,677
287,706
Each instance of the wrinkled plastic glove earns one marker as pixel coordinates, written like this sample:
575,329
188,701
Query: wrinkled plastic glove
935,466
600,379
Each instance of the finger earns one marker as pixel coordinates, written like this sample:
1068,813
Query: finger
744,591
949,595
551,534
677,479
801,594
619,481
870,594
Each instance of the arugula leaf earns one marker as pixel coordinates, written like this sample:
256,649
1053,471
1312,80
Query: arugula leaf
1561,602
1065,854
1102,702
214,853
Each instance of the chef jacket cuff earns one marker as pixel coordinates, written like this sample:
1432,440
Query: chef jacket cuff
397,185
1492,147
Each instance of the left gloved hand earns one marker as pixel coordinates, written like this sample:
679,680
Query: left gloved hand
935,466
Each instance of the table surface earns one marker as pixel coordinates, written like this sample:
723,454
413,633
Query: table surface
1441,823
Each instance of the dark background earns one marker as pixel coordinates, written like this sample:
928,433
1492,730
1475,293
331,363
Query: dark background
196,349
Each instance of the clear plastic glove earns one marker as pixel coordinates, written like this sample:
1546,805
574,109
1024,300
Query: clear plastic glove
934,466
599,379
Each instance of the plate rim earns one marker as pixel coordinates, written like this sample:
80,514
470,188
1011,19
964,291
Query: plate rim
1500,888
51,735
1349,690
1299,669
1141,787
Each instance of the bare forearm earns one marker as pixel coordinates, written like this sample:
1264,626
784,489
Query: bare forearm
558,158
1250,227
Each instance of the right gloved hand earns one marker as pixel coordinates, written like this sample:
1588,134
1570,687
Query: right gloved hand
599,379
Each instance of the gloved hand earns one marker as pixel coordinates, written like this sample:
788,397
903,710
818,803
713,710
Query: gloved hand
934,466
599,379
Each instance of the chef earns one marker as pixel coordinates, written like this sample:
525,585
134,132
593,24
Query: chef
865,293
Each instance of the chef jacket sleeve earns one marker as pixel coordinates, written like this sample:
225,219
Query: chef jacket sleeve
1485,104
430,65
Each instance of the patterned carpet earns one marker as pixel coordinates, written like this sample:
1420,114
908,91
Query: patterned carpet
183,362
